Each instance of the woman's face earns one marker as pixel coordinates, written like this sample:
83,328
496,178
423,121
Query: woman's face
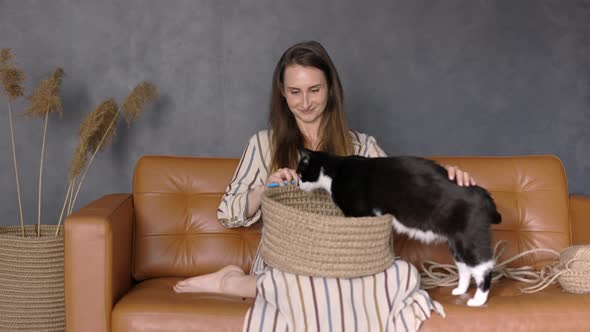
306,92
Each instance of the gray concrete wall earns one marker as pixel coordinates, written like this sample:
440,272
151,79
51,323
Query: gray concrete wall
460,77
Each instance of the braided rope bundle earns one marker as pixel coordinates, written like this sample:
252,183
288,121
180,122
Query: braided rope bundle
571,270
31,279
306,234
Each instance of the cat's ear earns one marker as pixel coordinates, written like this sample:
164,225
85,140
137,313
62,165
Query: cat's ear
304,155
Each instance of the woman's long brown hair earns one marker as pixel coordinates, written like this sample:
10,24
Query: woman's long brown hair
287,139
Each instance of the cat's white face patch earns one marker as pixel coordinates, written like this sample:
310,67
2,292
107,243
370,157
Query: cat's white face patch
323,182
426,237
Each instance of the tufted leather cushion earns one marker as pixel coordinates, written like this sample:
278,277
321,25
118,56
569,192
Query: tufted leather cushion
176,230
532,196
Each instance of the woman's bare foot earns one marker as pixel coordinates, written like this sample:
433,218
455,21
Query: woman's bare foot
221,282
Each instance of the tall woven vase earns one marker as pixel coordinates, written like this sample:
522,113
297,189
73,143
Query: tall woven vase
31,279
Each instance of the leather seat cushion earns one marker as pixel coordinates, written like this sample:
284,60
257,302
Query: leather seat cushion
152,305
508,309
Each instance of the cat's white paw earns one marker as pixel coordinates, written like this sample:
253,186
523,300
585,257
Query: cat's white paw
458,291
475,303
479,299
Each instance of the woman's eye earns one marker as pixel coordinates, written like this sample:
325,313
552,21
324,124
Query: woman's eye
315,90
294,92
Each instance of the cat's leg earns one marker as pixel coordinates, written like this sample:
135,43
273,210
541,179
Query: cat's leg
462,269
482,273
464,278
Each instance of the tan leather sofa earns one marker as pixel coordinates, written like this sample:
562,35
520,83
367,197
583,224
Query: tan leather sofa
124,252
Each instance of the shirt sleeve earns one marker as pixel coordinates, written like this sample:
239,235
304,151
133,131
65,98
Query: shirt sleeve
372,149
251,172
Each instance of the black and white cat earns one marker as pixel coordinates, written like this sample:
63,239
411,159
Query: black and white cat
426,205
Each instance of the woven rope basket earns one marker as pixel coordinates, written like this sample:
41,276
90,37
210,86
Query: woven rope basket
575,269
31,279
306,234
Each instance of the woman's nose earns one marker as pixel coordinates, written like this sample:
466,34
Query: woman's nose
305,100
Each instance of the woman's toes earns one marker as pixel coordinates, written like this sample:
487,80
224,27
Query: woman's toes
181,286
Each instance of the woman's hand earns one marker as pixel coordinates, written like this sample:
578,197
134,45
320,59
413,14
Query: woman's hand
461,177
282,175
255,195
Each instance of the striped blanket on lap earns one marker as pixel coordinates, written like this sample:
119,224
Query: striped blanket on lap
388,301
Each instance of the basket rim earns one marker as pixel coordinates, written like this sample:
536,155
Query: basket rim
13,234
268,194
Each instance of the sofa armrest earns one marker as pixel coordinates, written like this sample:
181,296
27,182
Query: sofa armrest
580,219
98,245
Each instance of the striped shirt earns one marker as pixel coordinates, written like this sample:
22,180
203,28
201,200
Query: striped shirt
253,170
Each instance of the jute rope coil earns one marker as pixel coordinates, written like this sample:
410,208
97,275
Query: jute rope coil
571,270
306,234
31,279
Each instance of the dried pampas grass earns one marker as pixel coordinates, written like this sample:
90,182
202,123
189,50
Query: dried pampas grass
144,93
11,77
78,162
45,100
98,131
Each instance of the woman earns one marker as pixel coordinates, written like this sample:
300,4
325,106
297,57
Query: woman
306,111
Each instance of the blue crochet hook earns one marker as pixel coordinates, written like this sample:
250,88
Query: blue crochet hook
276,184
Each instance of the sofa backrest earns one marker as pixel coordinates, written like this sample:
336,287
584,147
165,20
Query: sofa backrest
177,232
176,229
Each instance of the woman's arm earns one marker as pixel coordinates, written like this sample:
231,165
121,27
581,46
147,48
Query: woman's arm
240,205
254,200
